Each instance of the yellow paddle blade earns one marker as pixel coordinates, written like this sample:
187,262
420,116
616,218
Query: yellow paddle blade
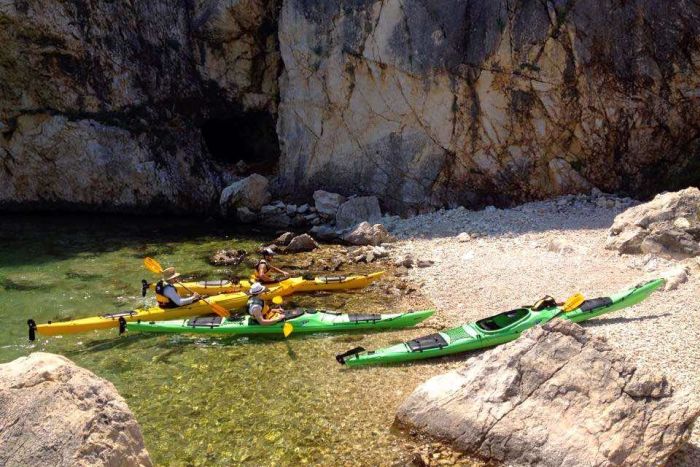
572,303
244,283
152,265
219,310
287,329
277,300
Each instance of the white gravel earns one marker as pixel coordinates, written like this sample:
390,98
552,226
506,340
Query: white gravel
557,248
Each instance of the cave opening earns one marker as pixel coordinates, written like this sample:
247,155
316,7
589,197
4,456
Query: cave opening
250,137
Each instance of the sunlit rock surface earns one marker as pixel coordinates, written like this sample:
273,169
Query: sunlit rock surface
57,413
556,396
457,101
421,104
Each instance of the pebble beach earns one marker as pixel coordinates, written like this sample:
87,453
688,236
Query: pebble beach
493,260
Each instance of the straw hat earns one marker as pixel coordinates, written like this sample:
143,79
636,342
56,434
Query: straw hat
170,274
256,289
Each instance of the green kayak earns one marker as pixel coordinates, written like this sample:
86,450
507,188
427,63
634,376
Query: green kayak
303,320
495,330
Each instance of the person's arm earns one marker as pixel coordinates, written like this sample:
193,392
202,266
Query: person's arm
171,293
279,270
257,314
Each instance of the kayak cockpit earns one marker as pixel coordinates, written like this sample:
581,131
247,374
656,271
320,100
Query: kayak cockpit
502,320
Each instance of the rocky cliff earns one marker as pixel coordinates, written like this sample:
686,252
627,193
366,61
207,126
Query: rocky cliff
124,105
103,104
457,101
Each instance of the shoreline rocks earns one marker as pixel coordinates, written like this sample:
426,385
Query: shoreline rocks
300,243
227,257
366,234
556,396
669,225
57,413
251,192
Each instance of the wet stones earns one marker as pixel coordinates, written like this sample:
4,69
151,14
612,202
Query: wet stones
227,257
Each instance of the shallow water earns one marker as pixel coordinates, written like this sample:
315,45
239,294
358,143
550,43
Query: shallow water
203,401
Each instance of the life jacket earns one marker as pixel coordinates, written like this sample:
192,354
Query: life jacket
163,301
258,264
252,301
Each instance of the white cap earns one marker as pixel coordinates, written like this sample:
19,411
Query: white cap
256,288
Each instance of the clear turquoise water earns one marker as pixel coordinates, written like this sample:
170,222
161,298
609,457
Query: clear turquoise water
201,401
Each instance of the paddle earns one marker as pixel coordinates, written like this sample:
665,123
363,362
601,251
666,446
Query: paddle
572,302
155,267
287,328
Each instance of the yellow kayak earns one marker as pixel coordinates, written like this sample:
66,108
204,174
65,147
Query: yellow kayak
202,287
229,301
299,284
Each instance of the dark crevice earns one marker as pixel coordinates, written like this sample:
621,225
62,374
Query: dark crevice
250,137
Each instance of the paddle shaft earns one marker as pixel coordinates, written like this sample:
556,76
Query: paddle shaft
205,301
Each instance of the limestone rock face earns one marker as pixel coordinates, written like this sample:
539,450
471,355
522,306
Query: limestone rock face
56,413
60,161
669,225
101,104
556,396
486,101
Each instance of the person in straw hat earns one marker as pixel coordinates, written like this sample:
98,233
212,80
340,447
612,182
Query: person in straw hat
167,295
259,310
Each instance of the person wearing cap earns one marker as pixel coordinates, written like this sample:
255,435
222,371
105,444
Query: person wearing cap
259,310
167,295
264,267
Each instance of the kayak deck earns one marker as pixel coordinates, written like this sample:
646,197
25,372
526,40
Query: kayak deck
494,330
303,320
299,284
229,301
113,320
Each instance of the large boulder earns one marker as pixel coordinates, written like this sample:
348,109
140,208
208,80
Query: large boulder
327,203
303,242
284,239
368,234
56,413
668,225
356,210
251,192
556,396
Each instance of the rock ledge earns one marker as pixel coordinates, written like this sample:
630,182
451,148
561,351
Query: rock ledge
556,396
